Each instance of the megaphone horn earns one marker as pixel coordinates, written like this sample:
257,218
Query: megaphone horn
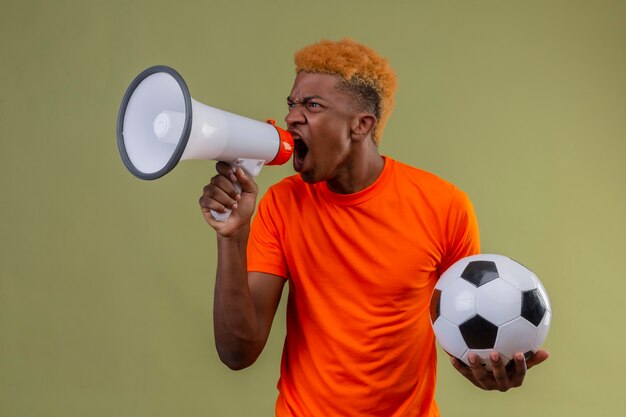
160,124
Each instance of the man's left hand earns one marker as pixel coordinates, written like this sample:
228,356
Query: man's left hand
499,378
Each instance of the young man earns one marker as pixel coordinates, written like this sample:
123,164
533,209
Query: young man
360,238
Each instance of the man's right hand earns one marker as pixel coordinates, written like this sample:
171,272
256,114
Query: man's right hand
221,194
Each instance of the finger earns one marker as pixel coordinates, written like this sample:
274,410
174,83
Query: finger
208,206
539,356
479,374
224,168
224,184
246,181
498,369
464,370
216,199
461,367
519,370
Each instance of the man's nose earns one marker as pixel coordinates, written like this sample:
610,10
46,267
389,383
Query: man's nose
295,115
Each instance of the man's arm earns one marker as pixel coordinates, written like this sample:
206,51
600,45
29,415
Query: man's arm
245,303
463,223
244,307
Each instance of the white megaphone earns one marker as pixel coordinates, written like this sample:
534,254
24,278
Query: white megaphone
160,124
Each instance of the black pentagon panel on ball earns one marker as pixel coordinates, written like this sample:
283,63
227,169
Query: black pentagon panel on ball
480,272
479,333
533,306
435,308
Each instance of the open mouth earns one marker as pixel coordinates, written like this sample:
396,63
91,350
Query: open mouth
299,153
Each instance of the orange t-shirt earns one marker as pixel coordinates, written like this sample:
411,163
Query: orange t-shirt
361,269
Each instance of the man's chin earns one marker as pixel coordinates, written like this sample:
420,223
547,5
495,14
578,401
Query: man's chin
307,177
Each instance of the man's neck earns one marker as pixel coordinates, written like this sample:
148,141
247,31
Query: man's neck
359,175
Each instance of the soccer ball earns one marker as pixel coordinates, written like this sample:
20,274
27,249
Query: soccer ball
489,303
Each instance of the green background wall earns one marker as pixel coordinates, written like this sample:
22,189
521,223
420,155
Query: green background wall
106,281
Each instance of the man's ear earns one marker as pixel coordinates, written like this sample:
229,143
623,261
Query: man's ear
363,125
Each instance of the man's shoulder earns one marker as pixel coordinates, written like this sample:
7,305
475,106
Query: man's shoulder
286,189
288,184
421,177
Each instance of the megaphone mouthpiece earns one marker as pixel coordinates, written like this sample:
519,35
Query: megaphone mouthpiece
285,147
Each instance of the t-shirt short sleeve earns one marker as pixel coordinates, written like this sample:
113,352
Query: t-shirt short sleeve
462,234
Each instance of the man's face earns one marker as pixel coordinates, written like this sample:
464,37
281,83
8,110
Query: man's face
320,117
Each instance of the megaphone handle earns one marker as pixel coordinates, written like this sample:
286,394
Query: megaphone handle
251,167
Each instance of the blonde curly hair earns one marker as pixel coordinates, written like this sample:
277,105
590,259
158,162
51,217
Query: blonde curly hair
362,70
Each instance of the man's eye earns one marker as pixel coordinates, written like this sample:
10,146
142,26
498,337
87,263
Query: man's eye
312,105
